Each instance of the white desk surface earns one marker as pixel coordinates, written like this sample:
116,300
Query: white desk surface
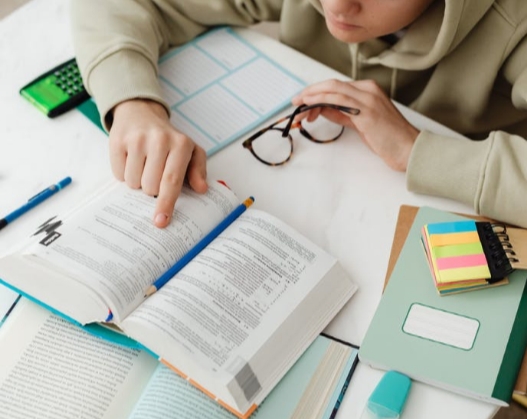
340,195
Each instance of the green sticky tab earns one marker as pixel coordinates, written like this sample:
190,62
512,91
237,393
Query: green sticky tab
458,250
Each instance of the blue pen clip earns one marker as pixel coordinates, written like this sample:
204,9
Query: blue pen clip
53,188
37,195
388,398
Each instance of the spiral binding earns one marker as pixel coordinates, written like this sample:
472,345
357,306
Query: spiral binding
497,248
505,242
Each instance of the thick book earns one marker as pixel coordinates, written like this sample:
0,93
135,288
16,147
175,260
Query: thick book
50,368
470,343
231,322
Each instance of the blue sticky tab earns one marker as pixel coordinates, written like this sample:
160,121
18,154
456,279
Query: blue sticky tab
453,227
389,397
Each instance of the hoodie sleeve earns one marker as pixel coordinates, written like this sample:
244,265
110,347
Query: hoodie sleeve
118,42
490,175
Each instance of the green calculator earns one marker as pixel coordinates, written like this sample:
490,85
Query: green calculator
58,90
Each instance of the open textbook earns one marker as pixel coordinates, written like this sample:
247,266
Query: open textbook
231,322
51,369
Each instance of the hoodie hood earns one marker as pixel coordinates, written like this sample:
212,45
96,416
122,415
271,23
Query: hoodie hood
432,36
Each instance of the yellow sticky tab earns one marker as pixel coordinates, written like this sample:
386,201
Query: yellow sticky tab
459,274
453,238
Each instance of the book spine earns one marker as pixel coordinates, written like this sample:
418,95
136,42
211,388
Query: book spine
512,359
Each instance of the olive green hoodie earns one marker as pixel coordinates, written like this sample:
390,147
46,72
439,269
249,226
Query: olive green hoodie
462,63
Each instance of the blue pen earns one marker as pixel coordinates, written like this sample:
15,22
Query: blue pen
34,201
198,247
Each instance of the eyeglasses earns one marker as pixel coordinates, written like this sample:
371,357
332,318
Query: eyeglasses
274,145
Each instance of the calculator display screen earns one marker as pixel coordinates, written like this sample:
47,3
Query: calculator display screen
57,90
45,94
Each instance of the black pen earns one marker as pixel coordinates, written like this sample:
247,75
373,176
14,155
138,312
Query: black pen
34,201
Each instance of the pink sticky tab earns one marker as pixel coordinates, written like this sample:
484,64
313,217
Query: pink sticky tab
461,261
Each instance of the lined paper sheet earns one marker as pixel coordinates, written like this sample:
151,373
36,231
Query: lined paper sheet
227,49
219,87
261,85
190,70
218,122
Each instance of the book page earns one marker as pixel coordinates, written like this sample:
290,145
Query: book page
223,306
168,396
113,247
52,369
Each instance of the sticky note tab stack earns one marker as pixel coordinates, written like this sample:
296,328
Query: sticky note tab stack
468,255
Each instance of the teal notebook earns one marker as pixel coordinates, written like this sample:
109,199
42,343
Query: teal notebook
470,343
219,87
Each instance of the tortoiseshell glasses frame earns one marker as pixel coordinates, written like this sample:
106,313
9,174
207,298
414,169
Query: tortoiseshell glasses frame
291,124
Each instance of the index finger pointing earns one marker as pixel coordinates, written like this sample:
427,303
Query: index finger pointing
170,187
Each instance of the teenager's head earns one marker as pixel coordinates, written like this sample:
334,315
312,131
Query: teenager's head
359,20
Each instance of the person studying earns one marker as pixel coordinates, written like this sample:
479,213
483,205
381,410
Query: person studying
379,66
425,54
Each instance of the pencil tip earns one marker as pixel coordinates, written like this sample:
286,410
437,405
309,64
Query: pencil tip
151,290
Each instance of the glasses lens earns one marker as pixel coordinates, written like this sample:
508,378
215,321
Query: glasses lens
322,129
272,147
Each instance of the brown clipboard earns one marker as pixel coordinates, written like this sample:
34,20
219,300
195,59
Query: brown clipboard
405,220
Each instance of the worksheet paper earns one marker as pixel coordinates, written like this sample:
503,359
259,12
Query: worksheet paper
219,87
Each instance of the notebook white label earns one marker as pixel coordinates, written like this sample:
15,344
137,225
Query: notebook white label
441,326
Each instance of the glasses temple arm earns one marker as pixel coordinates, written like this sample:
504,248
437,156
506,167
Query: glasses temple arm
291,117
304,108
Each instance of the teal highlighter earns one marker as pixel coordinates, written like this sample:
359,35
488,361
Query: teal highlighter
389,397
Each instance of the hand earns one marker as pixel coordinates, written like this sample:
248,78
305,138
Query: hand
380,125
147,152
